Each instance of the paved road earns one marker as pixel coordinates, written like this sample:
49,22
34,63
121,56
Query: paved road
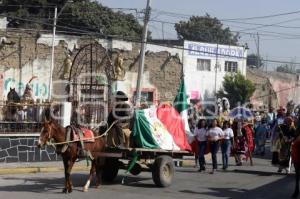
259,181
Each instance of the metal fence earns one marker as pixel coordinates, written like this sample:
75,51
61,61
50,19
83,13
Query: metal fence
18,118
21,118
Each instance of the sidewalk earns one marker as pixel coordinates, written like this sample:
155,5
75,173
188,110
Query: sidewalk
55,166
39,167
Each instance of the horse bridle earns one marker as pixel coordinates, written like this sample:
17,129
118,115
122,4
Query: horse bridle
49,134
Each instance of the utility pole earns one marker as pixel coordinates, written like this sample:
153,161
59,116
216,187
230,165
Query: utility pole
216,70
258,57
142,55
52,54
53,45
20,64
163,30
266,63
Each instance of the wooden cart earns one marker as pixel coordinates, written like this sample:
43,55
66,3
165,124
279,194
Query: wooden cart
159,162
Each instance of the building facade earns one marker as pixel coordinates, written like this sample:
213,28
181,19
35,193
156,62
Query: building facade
199,63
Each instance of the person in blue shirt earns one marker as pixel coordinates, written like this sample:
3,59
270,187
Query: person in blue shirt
261,132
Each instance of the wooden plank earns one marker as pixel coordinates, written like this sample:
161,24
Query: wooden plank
112,155
147,153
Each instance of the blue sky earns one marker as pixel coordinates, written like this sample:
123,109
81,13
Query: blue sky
276,43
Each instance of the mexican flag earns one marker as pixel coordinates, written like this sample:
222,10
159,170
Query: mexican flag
181,105
159,127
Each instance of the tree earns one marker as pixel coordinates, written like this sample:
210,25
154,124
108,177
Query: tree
237,89
284,69
205,29
79,15
252,61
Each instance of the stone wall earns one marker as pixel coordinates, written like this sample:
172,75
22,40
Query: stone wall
24,149
263,96
278,88
31,52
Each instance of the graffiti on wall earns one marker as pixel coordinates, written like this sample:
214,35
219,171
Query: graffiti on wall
18,78
40,89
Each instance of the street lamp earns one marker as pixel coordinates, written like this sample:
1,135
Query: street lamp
53,45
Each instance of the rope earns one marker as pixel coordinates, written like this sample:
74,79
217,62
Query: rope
87,139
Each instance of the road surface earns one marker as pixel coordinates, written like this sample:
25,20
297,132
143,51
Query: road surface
246,182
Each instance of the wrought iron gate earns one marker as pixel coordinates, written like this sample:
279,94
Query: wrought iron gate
90,77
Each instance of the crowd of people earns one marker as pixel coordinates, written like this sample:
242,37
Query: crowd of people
241,139
231,137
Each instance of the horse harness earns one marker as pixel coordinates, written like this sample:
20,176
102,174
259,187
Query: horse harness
71,129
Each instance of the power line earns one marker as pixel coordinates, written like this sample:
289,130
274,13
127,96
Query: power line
173,14
273,25
266,16
137,40
268,25
279,35
30,6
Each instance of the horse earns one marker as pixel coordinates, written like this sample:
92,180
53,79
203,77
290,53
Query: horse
13,99
11,109
52,130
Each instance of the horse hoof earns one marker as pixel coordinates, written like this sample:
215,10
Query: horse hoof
85,190
98,186
64,190
70,191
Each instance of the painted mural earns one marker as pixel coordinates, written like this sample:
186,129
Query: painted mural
40,85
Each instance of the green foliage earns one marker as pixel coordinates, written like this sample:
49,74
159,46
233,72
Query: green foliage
80,14
252,61
205,29
285,69
237,89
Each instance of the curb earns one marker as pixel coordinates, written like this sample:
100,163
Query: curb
53,169
6,171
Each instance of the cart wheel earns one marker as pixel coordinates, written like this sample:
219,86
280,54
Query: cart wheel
110,170
163,171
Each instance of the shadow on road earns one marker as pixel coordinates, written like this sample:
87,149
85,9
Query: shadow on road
259,173
55,185
41,185
277,189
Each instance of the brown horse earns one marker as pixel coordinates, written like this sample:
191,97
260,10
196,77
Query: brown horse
52,130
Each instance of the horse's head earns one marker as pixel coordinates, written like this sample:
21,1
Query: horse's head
12,96
46,134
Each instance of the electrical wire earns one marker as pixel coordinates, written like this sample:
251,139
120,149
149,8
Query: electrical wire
173,14
137,40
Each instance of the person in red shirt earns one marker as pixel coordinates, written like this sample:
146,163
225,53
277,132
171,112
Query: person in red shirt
296,160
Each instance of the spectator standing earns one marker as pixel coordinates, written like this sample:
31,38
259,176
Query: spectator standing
261,132
215,134
201,136
226,144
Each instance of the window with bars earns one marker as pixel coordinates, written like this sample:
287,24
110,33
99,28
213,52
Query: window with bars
231,66
203,65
